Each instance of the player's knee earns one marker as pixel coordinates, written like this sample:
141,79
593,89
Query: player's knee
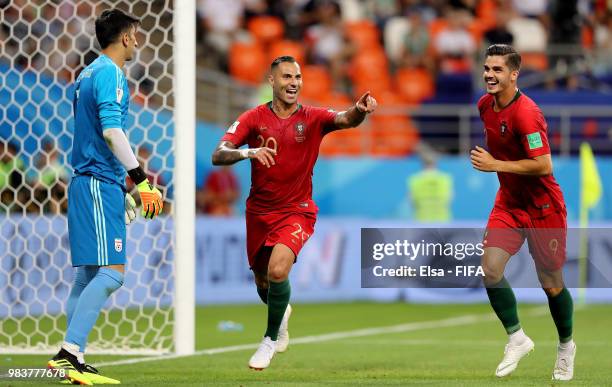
492,275
113,279
552,292
277,273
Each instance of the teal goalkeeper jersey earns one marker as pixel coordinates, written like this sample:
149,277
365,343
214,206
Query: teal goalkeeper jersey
100,101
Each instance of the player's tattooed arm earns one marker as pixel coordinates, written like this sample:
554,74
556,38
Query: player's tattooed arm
355,115
485,162
227,154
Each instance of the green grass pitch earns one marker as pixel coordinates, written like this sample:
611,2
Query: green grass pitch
461,346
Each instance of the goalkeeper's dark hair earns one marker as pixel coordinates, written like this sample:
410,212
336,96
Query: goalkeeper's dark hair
282,59
111,24
513,58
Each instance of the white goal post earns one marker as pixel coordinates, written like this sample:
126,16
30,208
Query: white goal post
43,46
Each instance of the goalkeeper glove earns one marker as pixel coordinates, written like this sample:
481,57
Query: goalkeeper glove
130,206
151,200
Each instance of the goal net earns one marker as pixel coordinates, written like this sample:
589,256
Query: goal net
43,47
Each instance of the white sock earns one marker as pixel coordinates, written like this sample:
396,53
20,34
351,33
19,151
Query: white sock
518,337
81,357
72,348
567,345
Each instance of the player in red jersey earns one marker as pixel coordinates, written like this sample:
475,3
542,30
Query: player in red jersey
529,205
283,139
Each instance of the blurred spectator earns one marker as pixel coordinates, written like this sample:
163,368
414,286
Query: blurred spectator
564,40
531,8
327,41
298,15
426,9
431,193
603,46
499,34
466,5
454,44
219,193
12,170
48,181
222,23
381,10
144,92
416,44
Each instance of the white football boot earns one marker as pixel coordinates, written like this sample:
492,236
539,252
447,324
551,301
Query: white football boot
282,341
564,366
513,353
264,354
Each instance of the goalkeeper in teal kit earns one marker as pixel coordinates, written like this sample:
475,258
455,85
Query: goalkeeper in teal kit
99,208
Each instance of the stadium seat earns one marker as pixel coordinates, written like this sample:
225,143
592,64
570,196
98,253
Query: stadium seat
381,87
529,35
587,37
336,101
414,85
369,66
435,27
486,11
534,61
247,62
363,33
395,30
392,136
349,142
287,47
343,142
477,29
317,82
266,28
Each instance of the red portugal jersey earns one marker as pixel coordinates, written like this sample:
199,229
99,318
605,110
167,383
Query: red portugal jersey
517,132
287,185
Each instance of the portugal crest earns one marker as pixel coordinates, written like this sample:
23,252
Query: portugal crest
300,135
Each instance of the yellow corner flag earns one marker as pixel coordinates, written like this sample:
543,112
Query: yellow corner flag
590,183
590,194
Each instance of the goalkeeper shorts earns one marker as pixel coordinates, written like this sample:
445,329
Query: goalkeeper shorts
96,222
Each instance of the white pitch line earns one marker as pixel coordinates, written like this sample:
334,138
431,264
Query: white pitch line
409,327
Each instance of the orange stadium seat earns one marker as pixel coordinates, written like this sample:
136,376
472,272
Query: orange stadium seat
414,85
435,27
486,11
363,33
534,61
369,67
336,101
266,28
347,142
247,62
381,87
393,136
317,82
343,142
587,37
477,29
287,47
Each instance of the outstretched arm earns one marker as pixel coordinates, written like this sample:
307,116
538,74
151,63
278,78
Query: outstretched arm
485,162
355,115
227,154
